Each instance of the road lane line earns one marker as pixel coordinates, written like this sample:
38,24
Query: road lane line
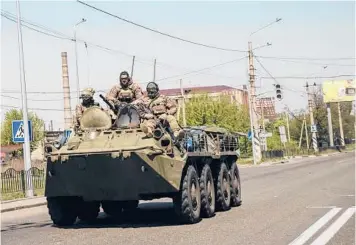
307,234
334,228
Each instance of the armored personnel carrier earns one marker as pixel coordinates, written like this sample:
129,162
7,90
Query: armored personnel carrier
112,164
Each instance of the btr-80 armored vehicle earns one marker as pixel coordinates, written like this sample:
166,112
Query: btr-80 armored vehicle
113,164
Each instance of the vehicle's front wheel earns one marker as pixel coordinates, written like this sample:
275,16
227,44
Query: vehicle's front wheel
207,191
88,211
188,202
62,210
112,208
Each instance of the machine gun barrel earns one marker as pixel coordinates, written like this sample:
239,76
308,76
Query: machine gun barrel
108,103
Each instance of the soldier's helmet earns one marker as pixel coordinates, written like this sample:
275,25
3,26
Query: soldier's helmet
152,90
124,79
87,93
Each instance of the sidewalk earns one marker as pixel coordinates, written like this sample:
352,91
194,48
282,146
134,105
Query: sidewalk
12,205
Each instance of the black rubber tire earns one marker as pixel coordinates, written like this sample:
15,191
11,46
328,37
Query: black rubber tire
223,196
207,199
235,185
130,205
88,211
62,210
187,209
112,208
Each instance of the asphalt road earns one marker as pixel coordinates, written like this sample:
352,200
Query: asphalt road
303,201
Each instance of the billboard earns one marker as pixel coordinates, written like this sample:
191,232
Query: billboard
339,91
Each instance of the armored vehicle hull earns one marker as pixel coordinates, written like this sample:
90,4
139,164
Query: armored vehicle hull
115,167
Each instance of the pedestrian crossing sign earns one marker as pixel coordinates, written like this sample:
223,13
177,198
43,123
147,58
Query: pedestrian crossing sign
18,131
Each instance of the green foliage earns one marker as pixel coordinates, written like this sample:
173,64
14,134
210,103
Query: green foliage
6,127
219,111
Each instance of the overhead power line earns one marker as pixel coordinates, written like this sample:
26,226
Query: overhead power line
39,109
304,62
56,34
17,98
206,68
159,32
311,77
307,58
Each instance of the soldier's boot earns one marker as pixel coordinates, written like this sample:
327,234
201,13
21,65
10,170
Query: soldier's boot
147,130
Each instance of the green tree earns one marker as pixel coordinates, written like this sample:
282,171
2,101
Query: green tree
204,110
6,127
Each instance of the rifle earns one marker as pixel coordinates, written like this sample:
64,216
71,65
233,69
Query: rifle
163,127
108,103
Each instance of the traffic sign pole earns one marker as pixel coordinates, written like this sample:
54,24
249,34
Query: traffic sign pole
27,152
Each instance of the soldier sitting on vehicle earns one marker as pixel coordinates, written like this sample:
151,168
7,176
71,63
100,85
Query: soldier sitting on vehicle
87,102
160,106
126,91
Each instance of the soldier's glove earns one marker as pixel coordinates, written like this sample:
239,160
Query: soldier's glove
148,116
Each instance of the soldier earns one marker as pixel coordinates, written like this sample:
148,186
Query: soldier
87,101
126,91
161,107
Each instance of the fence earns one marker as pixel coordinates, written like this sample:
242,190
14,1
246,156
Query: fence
18,181
292,152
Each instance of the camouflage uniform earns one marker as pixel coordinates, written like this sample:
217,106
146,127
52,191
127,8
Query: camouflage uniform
162,107
126,91
88,101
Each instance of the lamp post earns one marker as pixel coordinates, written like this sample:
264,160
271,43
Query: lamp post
256,147
76,55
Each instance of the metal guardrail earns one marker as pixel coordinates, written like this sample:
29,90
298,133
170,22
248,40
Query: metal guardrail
18,181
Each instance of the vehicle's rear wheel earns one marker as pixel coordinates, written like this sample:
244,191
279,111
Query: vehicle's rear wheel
112,208
223,193
88,211
235,185
188,202
207,192
62,210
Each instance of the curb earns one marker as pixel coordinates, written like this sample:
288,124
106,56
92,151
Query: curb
23,207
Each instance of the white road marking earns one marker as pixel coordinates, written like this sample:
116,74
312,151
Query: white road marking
334,228
306,235
347,195
322,207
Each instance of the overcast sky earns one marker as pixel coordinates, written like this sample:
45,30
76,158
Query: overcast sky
308,30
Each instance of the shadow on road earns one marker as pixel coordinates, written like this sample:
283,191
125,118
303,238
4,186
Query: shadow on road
151,214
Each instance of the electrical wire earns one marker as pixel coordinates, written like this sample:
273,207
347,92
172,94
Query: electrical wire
206,68
159,32
11,97
304,62
306,58
317,77
39,109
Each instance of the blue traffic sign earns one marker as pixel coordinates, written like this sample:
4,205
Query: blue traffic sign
249,135
18,131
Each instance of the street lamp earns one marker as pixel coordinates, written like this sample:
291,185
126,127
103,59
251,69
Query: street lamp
76,55
252,93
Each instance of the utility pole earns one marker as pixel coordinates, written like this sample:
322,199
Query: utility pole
88,63
306,131
287,118
330,125
255,139
154,71
51,125
310,105
66,92
132,66
76,56
26,145
340,125
183,102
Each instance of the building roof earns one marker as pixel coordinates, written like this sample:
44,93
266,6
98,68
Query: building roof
205,89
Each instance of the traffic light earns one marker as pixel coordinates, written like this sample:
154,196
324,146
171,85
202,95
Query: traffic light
278,92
